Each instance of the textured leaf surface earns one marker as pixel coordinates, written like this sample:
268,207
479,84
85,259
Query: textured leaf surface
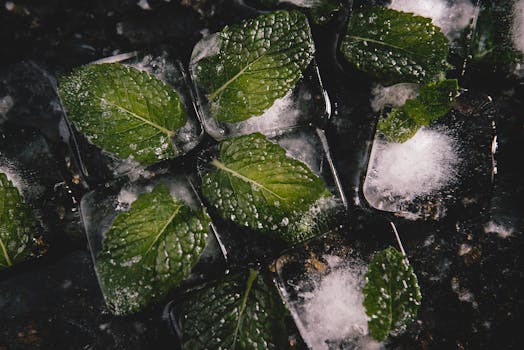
391,294
434,101
256,185
124,111
239,312
395,46
149,250
15,225
259,61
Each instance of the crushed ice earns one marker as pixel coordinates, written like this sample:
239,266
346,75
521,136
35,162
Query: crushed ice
392,96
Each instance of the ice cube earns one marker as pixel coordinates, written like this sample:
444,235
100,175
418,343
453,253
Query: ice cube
308,145
322,285
99,166
102,205
303,105
31,163
420,166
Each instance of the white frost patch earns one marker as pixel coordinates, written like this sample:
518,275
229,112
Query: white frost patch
144,5
420,166
333,312
392,96
282,112
125,198
208,46
451,18
13,176
518,25
302,3
9,5
6,103
501,230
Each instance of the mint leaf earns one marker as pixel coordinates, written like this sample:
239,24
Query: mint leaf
149,250
391,294
259,61
239,312
321,11
16,225
395,46
256,185
434,100
124,111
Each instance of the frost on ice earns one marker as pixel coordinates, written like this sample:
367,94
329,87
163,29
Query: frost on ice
518,25
452,18
401,172
332,312
392,96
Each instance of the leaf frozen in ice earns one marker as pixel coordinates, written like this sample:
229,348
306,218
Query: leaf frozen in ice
391,294
149,250
258,62
124,111
256,184
395,47
434,100
241,311
16,225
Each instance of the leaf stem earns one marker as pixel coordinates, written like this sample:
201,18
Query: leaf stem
399,242
6,255
252,276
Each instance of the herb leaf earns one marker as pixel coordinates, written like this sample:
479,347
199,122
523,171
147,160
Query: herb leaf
259,61
394,46
124,111
256,185
15,225
240,312
434,100
149,250
391,294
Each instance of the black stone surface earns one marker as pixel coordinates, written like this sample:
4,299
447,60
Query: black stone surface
471,301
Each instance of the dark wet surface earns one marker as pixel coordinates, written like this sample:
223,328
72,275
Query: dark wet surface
470,279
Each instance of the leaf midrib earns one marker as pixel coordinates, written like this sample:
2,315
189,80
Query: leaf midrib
169,133
383,43
252,276
223,167
6,255
164,228
224,86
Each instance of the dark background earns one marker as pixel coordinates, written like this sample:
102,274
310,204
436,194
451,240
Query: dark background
54,302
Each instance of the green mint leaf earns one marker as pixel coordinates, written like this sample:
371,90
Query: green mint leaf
16,225
149,250
395,46
257,185
391,294
434,100
124,111
239,312
259,61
